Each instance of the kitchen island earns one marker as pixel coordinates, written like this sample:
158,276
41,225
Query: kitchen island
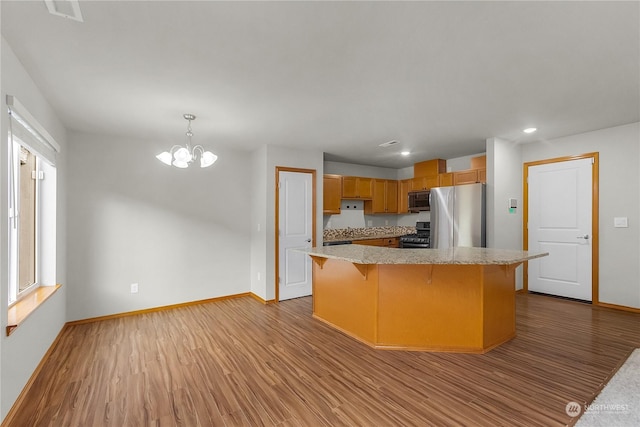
456,300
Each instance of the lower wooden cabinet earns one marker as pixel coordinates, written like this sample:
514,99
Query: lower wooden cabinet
389,242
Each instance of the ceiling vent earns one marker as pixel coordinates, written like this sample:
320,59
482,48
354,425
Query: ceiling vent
388,144
65,8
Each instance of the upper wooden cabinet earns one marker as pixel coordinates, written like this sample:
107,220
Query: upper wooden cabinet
424,183
385,197
445,179
357,187
332,193
482,175
477,173
469,176
429,168
479,162
403,195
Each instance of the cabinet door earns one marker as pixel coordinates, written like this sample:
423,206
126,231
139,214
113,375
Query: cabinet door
393,242
465,177
430,182
349,187
418,184
403,196
378,200
332,193
365,188
424,183
482,175
391,199
429,168
446,179
479,162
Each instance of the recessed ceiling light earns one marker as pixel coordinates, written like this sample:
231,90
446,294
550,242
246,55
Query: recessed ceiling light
530,130
405,153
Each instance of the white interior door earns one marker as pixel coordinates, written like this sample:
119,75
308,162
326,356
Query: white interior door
295,231
560,216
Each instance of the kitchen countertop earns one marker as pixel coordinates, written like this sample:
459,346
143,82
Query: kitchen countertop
360,254
365,233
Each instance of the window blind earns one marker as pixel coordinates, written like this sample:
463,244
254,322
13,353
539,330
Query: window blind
32,135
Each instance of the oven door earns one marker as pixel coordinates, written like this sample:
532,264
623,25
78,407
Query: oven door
409,245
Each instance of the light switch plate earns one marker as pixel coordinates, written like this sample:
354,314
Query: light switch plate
620,222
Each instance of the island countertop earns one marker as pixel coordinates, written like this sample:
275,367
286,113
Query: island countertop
360,254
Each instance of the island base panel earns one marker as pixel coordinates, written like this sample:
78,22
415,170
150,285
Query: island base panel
345,295
459,308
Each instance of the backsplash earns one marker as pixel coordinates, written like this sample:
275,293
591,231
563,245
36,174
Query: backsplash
352,216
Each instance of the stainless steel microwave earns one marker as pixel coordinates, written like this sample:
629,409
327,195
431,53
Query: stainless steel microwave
419,201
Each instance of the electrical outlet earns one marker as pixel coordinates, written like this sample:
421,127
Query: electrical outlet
369,223
134,288
258,276
386,222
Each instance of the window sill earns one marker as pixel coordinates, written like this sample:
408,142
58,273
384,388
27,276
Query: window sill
23,308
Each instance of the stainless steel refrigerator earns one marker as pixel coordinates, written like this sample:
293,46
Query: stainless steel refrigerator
458,216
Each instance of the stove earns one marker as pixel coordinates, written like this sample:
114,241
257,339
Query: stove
420,239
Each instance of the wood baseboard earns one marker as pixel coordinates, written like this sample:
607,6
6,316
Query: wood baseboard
154,309
618,307
257,298
18,403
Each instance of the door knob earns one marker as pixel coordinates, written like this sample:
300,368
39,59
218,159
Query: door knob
308,240
586,236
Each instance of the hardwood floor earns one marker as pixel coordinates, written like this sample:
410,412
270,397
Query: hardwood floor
238,362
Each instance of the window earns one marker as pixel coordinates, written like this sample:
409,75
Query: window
32,203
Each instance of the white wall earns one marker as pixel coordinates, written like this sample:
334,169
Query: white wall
619,190
504,181
265,162
351,169
258,224
181,234
461,163
21,352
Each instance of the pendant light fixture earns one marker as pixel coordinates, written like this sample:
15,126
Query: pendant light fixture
181,156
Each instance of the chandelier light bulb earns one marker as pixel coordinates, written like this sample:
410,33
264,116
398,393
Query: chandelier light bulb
165,157
207,159
182,155
179,164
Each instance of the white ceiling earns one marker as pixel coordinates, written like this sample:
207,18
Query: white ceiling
340,77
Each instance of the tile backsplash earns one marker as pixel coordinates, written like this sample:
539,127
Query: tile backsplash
352,216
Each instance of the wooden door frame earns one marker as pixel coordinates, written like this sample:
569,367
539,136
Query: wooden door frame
595,181
277,225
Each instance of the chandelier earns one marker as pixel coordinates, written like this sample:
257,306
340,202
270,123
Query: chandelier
181,156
